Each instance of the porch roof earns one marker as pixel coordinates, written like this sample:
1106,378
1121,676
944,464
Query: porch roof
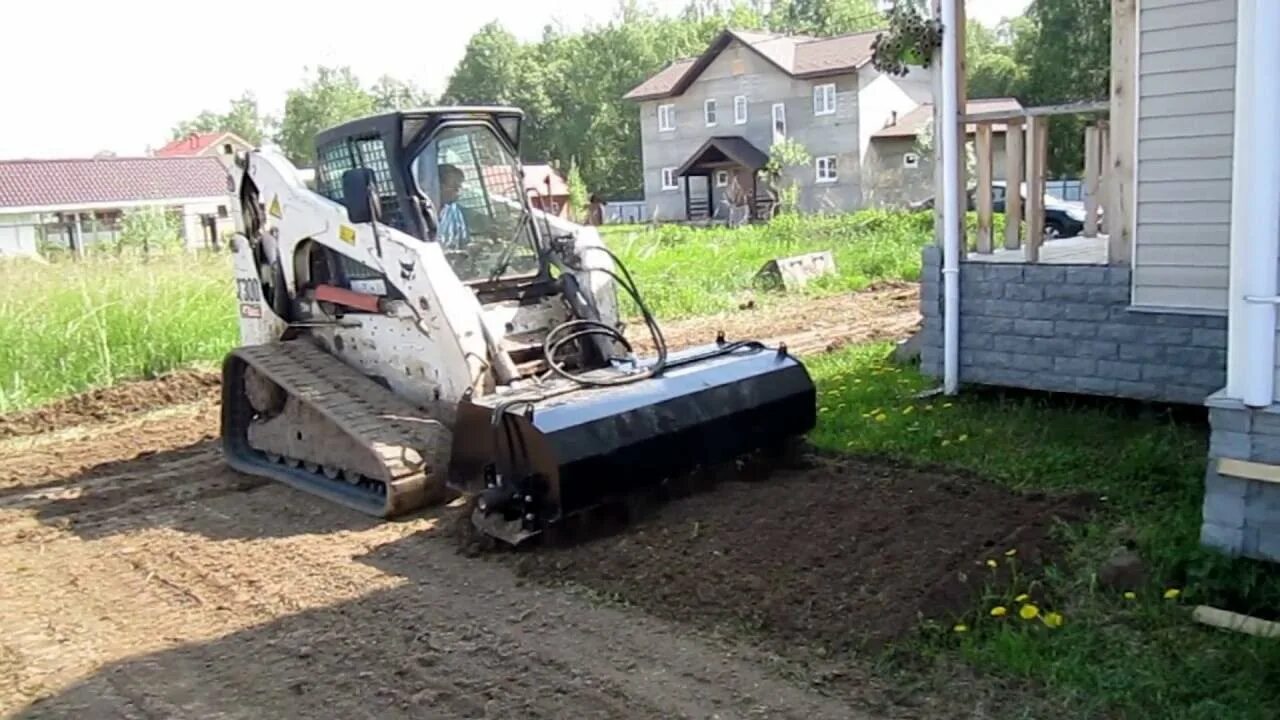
722,151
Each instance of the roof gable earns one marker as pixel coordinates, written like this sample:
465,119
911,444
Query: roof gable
795,55
197,143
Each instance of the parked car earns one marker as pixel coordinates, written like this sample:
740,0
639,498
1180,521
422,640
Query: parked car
1062,218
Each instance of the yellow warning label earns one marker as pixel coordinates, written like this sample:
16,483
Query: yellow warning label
275,207
347,234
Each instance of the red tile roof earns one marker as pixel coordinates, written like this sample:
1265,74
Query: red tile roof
795,55
60,183
196,143
536,177
912,123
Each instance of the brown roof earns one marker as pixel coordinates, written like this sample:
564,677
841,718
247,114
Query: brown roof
545,180
795,55
912,123
60,183
196,143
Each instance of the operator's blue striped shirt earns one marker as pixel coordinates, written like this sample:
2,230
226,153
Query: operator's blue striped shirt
453,227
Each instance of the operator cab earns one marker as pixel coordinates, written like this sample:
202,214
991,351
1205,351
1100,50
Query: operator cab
446,174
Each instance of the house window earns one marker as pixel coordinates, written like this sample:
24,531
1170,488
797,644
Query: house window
666,117
910,160
669,181
740,110
824,99
709,112
227,149
722,178
825,169
779,121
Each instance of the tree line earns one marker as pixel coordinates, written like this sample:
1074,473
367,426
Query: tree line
570,84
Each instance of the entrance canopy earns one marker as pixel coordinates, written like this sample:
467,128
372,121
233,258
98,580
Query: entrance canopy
721,152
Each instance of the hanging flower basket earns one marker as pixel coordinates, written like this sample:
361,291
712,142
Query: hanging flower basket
909,41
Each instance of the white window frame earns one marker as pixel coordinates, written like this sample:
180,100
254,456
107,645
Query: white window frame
740,110
668,179
824,99
779,112
825,169
710,112
666,118
722,178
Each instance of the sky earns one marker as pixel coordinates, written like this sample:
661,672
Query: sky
89,76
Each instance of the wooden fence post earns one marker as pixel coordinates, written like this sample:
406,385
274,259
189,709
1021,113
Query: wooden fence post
1012,180
984,187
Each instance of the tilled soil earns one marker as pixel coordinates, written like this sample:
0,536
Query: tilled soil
840,556
140,578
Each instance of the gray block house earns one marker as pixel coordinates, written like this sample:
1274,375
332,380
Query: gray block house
1178,302
708,124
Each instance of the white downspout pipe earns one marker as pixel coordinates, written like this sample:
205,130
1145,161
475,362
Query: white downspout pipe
947,137
1255,206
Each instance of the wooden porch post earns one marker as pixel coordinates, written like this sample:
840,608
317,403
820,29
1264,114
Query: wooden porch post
687,216
984,244
1092,156
1120,190
1012,181
1037,147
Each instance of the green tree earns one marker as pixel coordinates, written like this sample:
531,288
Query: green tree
242,117
825,17
331,96
578,196
393,94
785,157
149,231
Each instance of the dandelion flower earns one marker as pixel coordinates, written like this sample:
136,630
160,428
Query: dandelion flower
962,438
908,410
992,564
1130,595
961,628
1022,598
929,406
1053,619
881,417
1172,594
946,405
1011,552
946,443
999,611
1029,612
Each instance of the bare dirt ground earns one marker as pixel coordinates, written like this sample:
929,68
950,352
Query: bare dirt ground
139,578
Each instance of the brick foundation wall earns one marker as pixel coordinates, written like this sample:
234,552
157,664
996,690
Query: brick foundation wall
1242,516
1069,328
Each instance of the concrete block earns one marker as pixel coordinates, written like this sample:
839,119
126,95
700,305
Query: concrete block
931,255
1084,311
1109,294
1201,357
1096,349
988,325
993,359
1004,308
1160,372
1068,292
1186,394
1096,385
1224,500
977,341
1262,504
1077,366
1075,329
1119,370
984,289
1009,273
1013,344
972,273
1155,334
931,310
1031,363
1063,347
1209,337
1023,291
1174,319
1139,390
1042,311
1228,444
1034,328
1045,274
1264,448
1264,423
1222,419
1140,353
930,292
1054,382
931,335
1118,275
1207,380
1088,275
1263,543
1227,540
1120,333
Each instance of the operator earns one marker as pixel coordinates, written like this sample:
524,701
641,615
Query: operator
453,226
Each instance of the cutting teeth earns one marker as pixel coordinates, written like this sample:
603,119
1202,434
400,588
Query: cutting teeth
274,458
311,467
331,471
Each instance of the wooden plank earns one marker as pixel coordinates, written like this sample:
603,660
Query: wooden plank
1092,158
1235,622
1084,107
1124,103
1013,178
1261,472
983,156
1104,152
1037,151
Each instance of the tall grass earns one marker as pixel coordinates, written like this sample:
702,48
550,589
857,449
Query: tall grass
68,326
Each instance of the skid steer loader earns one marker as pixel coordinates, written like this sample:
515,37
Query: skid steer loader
413,328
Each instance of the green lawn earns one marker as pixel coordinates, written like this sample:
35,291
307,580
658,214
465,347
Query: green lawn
69,326
1112,656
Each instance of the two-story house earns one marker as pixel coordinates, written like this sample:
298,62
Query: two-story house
708,123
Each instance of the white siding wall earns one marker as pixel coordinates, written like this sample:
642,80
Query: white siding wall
18,235
1186,71
880,96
